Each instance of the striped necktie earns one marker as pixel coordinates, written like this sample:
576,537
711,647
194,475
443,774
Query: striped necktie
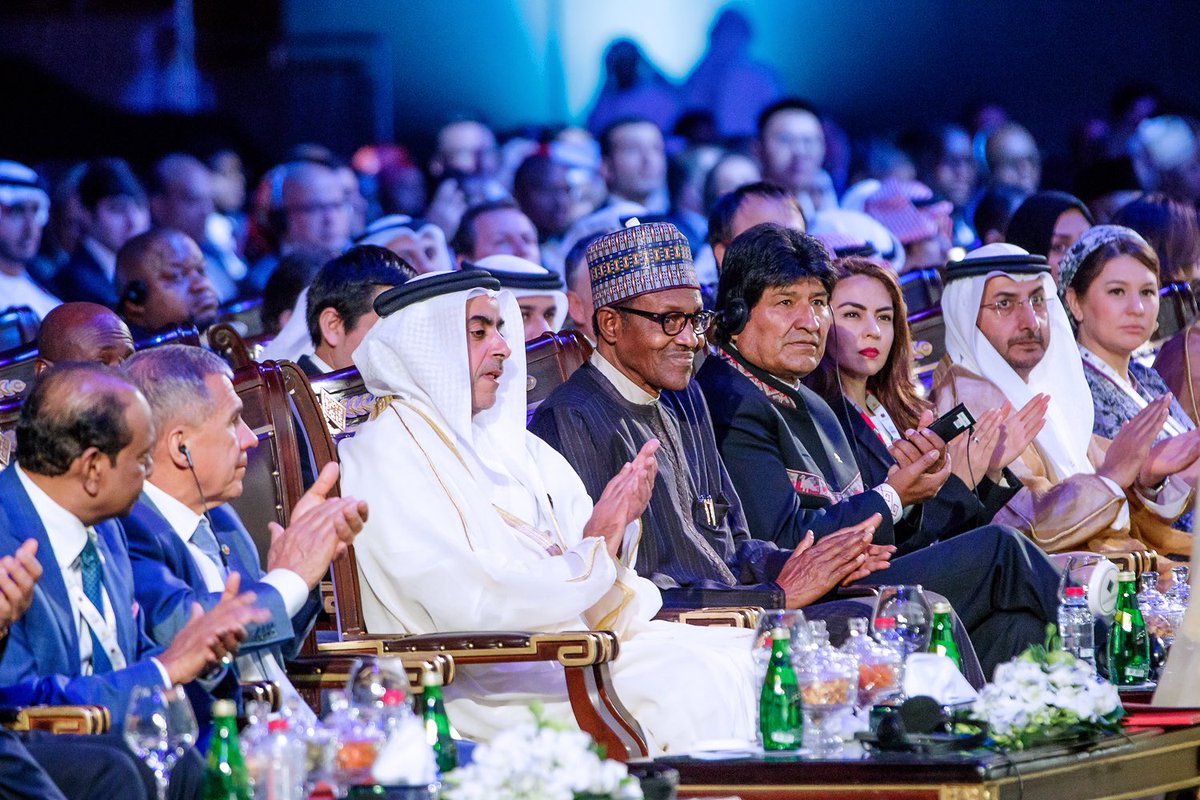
206,540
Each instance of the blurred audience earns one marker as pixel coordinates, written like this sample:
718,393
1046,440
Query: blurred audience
114,211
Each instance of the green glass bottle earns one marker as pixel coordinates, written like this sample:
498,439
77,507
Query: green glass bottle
225,778
780,709
1128,644
942,640
437,724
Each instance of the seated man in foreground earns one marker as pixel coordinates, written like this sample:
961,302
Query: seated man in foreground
478,525
787,454
1007,339
184,538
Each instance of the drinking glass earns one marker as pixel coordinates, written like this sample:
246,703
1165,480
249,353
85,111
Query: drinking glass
791,620
829,685
147,732
910,615
182,730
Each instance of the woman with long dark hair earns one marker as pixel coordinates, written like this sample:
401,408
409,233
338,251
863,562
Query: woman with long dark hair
866,377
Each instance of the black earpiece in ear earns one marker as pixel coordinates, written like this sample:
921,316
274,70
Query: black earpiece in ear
183,448
135,292
735,316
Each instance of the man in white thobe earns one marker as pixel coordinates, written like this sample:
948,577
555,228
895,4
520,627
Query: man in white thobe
482,526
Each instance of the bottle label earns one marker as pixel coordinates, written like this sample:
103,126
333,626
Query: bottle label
1136,672
1086,652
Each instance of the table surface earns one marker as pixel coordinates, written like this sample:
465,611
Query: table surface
1146,762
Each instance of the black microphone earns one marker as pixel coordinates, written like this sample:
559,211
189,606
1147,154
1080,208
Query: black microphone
922,714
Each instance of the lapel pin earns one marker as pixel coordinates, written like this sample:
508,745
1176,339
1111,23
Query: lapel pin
224,549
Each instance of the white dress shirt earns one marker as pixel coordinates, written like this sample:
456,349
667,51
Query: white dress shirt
253,666
183,521
106,258
68,536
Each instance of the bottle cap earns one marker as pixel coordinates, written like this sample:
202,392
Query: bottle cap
224,708
431,677
277,725
1075,591
1126,576
941,607
393,697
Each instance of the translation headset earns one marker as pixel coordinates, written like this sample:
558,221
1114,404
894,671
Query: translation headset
135,293
187,454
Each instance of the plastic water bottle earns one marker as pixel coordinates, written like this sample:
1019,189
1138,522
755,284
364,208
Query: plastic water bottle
1076,625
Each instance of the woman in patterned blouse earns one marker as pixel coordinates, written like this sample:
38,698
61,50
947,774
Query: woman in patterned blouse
1109,282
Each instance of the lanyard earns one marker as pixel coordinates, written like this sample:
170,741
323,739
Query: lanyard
1171,427
102,625
880,421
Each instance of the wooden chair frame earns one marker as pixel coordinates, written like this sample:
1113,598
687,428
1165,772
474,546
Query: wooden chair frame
584,655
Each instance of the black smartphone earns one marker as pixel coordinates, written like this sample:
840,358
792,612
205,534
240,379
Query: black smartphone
952,423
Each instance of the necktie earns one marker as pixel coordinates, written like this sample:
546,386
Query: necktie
93,588
206,540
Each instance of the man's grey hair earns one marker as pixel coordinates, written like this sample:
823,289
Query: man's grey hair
173,379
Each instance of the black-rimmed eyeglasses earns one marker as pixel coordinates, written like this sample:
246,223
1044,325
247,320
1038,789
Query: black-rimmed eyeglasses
672,322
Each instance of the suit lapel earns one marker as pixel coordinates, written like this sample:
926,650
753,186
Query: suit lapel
174,547
52,587
231,535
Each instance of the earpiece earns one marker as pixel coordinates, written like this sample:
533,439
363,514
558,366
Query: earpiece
735,316
134,293
183,448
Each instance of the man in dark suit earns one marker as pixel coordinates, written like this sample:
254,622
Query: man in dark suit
163,283
84,441
339,310
789,459
184,540
114,208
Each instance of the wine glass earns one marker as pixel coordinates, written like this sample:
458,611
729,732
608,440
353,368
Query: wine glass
903,618
182,730
147,732
791,620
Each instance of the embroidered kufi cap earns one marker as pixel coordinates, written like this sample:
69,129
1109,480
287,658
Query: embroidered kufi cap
638,260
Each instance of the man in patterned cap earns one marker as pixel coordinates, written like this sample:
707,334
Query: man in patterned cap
638,386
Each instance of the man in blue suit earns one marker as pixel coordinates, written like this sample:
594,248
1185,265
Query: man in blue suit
83,450
55,767
184,540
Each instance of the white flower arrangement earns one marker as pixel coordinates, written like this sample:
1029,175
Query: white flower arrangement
1045,695
541,761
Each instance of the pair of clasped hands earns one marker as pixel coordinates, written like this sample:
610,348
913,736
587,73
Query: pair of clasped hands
923,463
320,530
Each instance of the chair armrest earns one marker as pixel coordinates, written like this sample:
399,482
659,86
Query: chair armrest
332,670
569,648
851,592
686,598
584,656
262,692
57,719
731,617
